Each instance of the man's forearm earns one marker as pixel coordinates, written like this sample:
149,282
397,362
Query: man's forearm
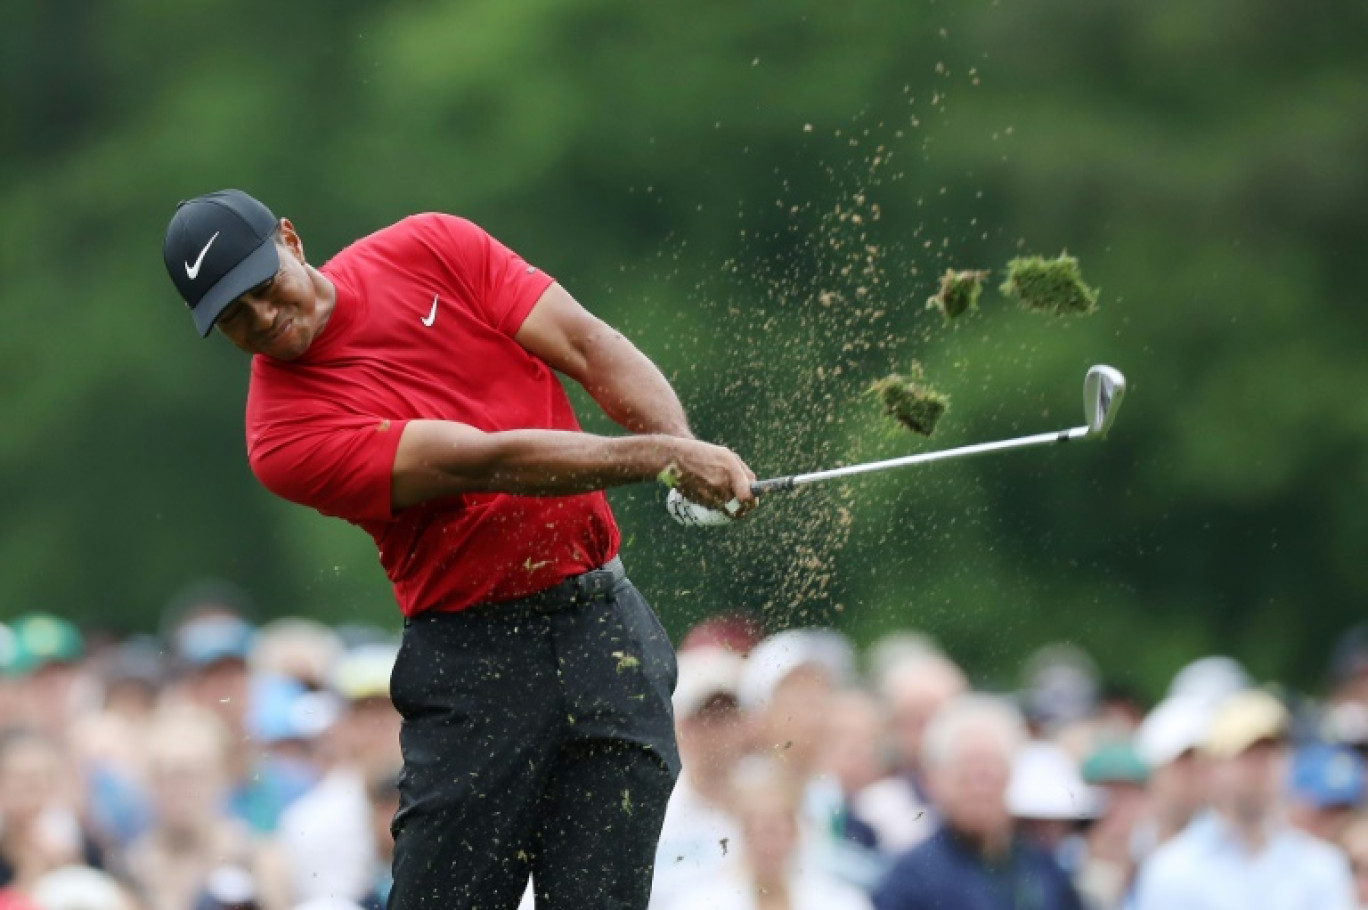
558,463
437,459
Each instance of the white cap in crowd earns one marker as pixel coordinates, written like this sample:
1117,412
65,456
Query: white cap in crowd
779,655
1176,725
1211,679
1046,784
364,671
78,888
705,673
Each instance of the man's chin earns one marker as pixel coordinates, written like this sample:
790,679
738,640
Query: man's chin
291,345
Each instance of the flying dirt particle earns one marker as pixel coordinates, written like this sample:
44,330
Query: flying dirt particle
915,406
626,661
959,293
1049,285
627,801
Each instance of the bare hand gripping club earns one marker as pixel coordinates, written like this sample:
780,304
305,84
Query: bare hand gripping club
1103,389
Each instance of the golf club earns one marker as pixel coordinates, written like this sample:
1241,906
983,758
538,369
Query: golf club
1103,389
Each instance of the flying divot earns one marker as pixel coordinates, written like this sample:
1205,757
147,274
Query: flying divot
958,294
1049,285
913,404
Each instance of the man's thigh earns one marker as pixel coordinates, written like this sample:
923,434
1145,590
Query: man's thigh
481,709
605,799
599,823
619,672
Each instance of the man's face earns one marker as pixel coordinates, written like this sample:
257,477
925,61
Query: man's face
715,734
1179,787
1250,783
281,316
795,718
971,787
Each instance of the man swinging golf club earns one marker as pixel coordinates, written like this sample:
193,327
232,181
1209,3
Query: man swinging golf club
407,386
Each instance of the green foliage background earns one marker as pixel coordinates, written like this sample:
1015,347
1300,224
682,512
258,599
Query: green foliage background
762,196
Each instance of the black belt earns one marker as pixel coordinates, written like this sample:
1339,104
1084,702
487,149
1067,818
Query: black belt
570,592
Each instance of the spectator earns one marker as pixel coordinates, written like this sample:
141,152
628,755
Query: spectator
1061,687
328,835
1050,804
1349,667
913,688
106,742
973,860
789,682
852,755
1324,787
699,827
1049,801
1167,742
300,649
1107,868
1356,846
768,874
212,647
192,837
1242,854
49,680
384,800
40,832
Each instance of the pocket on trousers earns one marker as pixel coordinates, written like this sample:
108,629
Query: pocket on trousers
658,654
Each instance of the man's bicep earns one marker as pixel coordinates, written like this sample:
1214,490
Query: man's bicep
435,458
559,331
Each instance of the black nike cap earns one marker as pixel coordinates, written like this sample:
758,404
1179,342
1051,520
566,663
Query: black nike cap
218,247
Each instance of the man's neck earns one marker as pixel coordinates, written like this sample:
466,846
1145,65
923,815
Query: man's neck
991,847
325,295
1252,829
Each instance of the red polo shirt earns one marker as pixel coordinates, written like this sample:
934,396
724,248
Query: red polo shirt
423,327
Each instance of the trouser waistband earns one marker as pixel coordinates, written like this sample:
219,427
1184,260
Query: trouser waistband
570,592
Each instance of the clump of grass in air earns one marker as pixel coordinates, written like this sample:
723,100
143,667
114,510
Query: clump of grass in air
959,293
1049,285
913,404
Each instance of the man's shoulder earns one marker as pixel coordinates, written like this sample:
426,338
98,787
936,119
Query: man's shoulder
930,861
417,230
1186,857
1181,851
1315,856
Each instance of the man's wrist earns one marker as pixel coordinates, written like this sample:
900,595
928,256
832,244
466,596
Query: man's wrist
647,456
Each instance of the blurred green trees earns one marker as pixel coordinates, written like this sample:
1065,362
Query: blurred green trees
762,196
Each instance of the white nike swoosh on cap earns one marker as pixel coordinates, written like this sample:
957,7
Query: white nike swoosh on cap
193,270
432,316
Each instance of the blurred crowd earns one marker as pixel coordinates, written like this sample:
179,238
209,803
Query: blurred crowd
225,765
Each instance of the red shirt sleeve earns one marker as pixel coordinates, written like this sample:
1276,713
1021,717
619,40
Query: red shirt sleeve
505,287
340,465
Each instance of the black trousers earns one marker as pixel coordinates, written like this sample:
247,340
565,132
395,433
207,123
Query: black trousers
538,738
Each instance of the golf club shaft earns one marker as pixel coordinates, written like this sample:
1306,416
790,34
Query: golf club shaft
775,484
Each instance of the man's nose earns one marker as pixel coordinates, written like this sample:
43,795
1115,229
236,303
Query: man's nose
262,310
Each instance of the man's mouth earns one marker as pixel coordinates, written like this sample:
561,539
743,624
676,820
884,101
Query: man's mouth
274,335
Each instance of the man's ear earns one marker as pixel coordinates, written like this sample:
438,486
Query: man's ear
290,238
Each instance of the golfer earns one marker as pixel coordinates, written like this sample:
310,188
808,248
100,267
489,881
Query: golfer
409,386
